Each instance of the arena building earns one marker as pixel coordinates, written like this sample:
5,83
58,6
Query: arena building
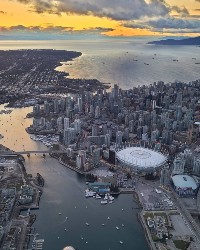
141,159
184,185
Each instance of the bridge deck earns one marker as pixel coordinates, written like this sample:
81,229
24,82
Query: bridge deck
5,153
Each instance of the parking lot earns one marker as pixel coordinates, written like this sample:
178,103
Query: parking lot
154,198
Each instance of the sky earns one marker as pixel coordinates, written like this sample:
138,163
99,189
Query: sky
61,19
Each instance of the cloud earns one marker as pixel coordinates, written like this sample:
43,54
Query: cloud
3,12
48,27
175,23
114,9
180,10
195,16
168,24
50,32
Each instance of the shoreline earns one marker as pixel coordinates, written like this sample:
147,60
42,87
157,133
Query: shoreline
140,217
56,81
142,221
15,215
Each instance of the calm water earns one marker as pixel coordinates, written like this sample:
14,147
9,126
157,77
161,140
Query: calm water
113,60
64,193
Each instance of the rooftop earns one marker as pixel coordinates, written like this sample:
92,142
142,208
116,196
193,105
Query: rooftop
141,157
184,181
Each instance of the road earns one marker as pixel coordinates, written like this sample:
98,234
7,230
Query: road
192,225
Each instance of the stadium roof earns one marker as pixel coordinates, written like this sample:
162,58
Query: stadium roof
143,158
184,181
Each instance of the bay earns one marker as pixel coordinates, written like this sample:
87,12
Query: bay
128,62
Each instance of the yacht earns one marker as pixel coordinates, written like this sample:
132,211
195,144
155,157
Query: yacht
106,197
89,193
110,197
98,196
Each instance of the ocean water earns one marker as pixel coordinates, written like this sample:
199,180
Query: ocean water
127,62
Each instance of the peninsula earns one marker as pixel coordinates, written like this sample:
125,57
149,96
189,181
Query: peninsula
195,41
25,74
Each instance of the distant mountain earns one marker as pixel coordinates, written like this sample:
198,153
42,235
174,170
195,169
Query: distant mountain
186,41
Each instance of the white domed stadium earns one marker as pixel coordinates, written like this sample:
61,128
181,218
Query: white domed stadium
141,159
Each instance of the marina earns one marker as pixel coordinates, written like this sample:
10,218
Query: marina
47,140
106,199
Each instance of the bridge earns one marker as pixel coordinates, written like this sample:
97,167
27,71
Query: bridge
10,153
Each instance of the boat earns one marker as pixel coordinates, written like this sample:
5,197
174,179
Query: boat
122,225
89,193
98,196
103,224
117,228
60,213
121,242
110,197
104,202
87,224
108,218
110,202
106,197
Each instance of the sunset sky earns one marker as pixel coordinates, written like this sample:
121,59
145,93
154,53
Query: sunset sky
56,19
